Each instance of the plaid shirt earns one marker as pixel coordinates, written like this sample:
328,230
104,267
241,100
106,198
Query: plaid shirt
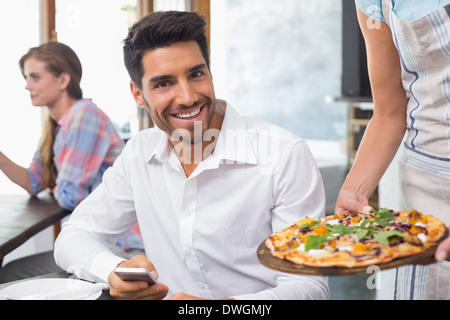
86,144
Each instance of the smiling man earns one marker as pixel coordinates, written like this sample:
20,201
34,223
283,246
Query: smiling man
206,185
178,92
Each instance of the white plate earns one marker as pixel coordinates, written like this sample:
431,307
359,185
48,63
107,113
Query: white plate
24,289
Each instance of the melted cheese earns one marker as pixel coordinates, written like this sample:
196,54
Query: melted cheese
314,252
422,237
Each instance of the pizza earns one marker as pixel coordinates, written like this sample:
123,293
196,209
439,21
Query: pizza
356,239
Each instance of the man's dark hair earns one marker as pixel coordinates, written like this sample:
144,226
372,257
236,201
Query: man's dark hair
159,30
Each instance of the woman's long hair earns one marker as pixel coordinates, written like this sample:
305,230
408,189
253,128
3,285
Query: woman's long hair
58,58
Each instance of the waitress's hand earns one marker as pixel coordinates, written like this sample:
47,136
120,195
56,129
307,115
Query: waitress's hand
351,201
443,250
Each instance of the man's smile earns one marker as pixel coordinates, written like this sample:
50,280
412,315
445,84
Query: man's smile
190,114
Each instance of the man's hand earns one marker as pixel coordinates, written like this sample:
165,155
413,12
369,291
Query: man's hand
136,290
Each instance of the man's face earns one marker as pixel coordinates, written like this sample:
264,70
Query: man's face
177,88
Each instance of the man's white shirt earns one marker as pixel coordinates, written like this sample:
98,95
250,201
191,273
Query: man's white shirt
201,232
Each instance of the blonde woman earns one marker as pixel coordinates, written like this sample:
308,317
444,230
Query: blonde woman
79,141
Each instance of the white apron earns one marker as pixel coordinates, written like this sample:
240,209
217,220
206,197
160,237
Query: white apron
424,50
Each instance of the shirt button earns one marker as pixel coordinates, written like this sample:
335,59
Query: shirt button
187,213
202,286
187,252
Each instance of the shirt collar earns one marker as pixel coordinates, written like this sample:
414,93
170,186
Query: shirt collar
163,148
233,143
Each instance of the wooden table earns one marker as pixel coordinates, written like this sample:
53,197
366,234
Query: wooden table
22,217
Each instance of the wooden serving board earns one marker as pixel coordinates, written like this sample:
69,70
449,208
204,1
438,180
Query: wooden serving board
268,260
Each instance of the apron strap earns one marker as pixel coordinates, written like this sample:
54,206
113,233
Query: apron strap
386,8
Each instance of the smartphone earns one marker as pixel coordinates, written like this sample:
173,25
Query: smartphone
135,274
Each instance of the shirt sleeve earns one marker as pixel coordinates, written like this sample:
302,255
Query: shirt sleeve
83,145
298,188
86,243
371,8
35,173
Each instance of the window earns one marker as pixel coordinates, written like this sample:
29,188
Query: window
165,5
95,31
279,61
20,122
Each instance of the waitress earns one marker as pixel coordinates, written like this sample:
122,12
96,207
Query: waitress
408,51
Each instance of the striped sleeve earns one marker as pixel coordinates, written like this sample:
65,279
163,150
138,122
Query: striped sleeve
35,173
